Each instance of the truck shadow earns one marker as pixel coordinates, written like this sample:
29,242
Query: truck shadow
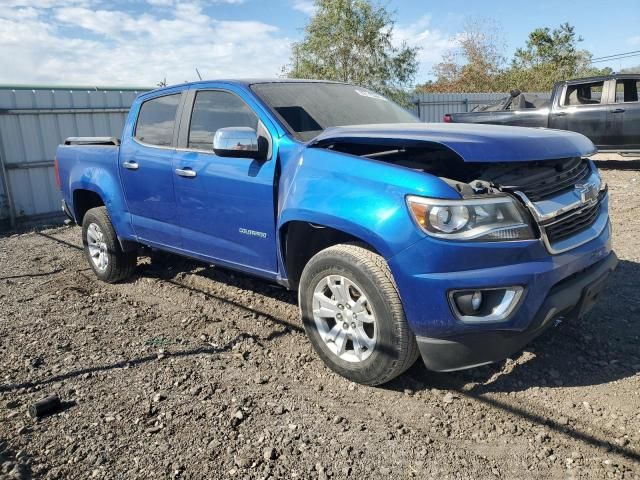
598,349
166,266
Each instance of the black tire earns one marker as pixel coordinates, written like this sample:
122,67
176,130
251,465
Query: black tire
119,264
395,349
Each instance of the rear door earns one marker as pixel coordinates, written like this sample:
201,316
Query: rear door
582,108
225,205
625,113
146,171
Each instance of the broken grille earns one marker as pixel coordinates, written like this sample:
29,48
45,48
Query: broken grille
557,182
573,222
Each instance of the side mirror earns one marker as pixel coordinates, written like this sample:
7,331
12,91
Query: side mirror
239,142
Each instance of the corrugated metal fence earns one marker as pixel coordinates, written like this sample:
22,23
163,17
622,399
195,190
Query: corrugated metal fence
33,121
431,107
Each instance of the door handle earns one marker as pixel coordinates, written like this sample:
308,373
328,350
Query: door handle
559,114
617,110
185,172
131,165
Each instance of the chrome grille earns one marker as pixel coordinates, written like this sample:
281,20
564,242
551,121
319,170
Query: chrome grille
573,222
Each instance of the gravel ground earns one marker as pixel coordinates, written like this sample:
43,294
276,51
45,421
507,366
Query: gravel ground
190,371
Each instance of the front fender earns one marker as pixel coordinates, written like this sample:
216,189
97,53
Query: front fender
362,197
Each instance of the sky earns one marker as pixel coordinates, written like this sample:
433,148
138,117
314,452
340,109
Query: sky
143,42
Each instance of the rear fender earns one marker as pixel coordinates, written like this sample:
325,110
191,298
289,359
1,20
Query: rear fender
97,172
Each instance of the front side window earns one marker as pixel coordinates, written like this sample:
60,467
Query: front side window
157,119
213,110
584,94
627,90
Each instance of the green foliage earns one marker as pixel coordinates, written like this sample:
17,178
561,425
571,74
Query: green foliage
351,41
546,46
474,64
550,56
478,66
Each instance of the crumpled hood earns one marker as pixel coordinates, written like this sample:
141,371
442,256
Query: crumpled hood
473,142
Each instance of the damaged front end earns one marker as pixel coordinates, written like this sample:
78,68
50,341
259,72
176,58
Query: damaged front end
556,199
479,287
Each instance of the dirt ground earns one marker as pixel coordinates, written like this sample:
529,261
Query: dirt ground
190,371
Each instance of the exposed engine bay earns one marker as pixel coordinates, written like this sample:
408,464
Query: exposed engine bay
537,178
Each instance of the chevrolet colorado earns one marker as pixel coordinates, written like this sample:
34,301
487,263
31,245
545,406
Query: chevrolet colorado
604,109
459,243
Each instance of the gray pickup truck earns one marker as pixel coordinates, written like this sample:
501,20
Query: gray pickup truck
604,109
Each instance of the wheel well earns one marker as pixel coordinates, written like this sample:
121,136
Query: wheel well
83,201
302,240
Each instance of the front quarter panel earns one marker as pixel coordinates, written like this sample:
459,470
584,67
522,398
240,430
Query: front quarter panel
362,197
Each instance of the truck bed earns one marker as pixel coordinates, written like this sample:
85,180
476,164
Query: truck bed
92,141
530,117
604,109
82,163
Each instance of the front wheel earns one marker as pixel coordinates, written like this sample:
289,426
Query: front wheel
353,315
102,249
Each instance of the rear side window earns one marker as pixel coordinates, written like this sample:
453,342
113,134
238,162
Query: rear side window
584,94
217,109
627,90
156,120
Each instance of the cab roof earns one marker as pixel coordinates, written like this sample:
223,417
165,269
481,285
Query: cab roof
244,82
600,78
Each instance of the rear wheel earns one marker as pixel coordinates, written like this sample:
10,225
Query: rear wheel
353,315
102,249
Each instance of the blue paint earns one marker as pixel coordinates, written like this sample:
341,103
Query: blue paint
480,143
207,217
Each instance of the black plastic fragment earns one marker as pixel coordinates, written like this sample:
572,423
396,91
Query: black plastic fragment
46,406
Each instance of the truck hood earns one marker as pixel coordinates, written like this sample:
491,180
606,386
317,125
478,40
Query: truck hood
472,142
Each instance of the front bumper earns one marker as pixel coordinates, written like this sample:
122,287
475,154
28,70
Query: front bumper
569,299
426,271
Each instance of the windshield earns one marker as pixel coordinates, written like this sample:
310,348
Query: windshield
307,109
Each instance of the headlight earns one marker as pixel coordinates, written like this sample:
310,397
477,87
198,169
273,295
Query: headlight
483,219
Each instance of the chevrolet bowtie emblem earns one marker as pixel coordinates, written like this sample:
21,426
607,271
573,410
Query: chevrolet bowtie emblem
587,192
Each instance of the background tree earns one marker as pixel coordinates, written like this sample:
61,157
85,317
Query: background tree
475,62
352,41
550,56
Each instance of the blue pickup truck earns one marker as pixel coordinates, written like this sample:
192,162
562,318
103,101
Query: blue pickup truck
457,243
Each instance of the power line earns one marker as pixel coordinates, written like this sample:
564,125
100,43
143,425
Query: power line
616,58
616,55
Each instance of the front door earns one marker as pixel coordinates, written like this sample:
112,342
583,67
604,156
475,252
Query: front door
583,109
225,205
146,172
